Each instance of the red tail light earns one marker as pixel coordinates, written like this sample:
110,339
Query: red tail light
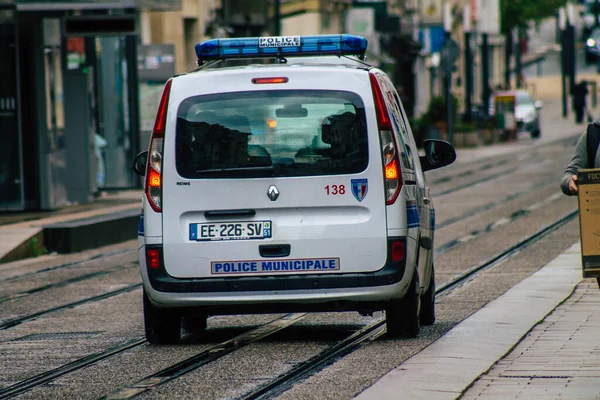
398,251
259,81
389,149
383,118
152,258
154,171
161,115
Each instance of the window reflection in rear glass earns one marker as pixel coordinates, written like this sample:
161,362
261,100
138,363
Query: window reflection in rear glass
271,133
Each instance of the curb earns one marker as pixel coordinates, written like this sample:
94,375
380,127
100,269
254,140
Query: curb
69,233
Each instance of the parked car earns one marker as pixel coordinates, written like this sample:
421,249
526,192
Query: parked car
526,111
592,46
588,22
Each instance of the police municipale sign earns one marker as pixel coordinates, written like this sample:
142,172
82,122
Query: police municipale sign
279,41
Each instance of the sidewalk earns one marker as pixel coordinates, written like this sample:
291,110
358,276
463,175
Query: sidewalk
22,233
553,127
557,358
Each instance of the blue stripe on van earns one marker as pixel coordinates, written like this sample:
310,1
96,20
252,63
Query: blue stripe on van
141,226
412,214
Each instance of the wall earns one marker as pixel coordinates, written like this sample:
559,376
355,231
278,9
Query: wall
184,29
303,24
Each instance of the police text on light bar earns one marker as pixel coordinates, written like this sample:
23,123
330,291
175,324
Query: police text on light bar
281,47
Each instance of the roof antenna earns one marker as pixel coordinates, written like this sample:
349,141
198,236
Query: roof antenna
280,57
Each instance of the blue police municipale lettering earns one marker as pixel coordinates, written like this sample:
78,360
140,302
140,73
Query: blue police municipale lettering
325,264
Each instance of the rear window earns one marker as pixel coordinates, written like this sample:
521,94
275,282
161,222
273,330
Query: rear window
277,133
524,99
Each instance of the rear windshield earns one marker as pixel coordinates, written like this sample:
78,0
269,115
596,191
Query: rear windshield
271,133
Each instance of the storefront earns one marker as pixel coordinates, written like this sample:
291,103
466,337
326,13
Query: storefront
69,79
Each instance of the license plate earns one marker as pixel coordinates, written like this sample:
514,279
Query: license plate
230,231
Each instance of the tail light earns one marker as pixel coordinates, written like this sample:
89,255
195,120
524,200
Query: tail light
398,251
153,258
155,154
389,148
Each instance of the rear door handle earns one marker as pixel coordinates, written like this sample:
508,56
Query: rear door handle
229,213
274,250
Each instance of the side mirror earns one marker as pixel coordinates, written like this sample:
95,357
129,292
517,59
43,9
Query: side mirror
538,105
438,154
139,164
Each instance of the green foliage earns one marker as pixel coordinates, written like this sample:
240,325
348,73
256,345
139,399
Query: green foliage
36,249
465,127
516,13
437,109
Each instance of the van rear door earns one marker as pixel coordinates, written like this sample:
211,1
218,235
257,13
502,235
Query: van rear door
264,181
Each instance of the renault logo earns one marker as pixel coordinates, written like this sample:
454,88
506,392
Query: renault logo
273,193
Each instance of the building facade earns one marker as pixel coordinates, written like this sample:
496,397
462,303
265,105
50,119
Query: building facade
87,75
69,109
430,69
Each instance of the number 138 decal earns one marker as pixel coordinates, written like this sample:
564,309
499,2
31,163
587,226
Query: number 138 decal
334,190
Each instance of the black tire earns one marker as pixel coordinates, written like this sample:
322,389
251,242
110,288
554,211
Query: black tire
536,133
427,316
163,326
402,316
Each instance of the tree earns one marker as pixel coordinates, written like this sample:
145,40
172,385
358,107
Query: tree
518,14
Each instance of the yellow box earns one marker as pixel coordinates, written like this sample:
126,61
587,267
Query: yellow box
589,221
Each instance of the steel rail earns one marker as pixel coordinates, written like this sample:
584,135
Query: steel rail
77,279
284,381
205,357
16,321
96,257
45,377
303,370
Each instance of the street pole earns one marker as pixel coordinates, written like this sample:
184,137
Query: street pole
562,24
468,63
518,54
558,28
485,73
448,72
433,73
571,60
509,49
277,17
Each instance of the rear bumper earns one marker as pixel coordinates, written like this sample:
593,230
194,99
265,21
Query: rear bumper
310,292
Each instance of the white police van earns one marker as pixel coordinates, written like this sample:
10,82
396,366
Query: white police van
290,182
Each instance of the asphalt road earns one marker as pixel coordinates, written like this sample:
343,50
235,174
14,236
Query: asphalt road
487,201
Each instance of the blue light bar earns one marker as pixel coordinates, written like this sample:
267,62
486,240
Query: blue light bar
281,47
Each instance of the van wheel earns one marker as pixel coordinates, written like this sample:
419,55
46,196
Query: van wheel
536,133
163,326
428,302
402,316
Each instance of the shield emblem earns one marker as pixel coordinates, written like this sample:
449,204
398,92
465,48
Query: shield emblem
359,188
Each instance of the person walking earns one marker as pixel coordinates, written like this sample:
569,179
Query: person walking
586,155
580,92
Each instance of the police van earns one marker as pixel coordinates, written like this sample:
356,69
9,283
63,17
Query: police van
282,175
